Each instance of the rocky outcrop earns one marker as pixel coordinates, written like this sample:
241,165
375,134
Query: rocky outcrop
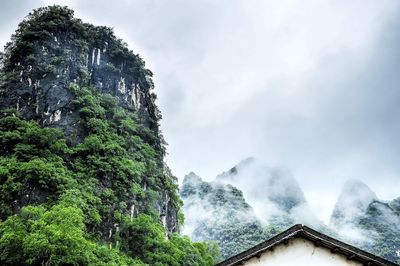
44,59
52,55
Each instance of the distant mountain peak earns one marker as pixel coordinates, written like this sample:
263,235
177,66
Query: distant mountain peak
191,178
218,211
246,161
278,189
356,190
352,203
234,170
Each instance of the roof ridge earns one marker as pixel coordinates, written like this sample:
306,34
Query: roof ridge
318,238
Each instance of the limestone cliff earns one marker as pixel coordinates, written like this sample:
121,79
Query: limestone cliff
52,50
48,61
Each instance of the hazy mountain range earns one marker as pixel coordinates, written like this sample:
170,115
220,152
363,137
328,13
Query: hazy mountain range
252,201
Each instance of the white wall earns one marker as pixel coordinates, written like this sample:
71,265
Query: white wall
300,252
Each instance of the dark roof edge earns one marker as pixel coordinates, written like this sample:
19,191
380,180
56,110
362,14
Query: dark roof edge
263,246
318,238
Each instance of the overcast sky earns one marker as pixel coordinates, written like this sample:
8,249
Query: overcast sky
311,86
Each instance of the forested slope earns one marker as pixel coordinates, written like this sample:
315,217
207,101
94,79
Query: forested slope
82,173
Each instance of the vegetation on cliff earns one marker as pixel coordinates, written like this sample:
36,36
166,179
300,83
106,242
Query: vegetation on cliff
84,183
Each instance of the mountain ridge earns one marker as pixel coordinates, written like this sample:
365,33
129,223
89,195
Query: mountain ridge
218,212
354,218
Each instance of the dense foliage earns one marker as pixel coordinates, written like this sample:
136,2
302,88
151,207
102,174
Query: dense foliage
77,186
53,236
382,221
57,231
91,189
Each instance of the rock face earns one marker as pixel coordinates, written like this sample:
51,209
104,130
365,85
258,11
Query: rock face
218,212
44,59
51,55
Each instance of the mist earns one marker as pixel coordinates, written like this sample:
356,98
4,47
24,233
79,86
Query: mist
276,199
203,209
310,86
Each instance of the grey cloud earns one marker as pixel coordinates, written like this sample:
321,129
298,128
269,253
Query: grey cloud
311,86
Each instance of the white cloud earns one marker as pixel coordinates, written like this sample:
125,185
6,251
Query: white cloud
308,85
